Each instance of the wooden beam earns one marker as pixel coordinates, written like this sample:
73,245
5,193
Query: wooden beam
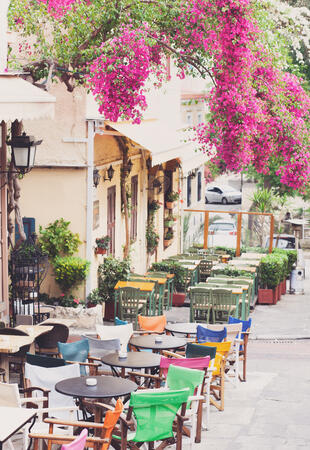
206,230
271,233
239,230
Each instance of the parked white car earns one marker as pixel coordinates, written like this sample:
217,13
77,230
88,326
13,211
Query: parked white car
222,232
222,194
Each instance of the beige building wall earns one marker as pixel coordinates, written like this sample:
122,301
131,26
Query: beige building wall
57,186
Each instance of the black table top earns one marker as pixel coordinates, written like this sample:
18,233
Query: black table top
184,327
168,342
134,360
107,386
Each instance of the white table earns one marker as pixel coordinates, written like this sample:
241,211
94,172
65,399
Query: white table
12,420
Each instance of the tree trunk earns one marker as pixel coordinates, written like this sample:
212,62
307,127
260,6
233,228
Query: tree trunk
121,141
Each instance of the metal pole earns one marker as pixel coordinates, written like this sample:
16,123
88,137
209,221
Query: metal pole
205,230
239,229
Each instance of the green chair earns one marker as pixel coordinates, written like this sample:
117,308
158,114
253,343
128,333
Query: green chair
200,304
155,413
131,301
183,377
169,288
223,304
205,267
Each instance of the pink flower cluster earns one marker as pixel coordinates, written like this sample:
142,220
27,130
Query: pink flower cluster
58,8
117,77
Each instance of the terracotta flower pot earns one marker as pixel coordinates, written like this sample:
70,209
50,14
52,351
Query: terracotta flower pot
276,295
101,251
178,298
265,296
169,205
283,287
167,242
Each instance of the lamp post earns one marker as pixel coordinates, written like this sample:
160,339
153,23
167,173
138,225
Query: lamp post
96,177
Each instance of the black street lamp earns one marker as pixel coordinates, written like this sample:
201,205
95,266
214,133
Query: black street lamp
110,173
23,152
96,177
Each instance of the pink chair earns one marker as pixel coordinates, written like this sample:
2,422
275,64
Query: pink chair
78,443
201,363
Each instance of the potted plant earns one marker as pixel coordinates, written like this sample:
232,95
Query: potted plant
94,298
171,197
109,273
270,274
152,238
168,222
102,245
179,271
154,206
168,238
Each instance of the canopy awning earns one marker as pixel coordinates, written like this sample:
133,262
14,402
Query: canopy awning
20,100
163,142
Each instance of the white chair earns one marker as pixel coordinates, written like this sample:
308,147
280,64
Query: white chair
121,332
99,348
9,397
47,377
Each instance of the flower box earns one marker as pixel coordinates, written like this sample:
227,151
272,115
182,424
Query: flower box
276,294
265,296
169,223
283,287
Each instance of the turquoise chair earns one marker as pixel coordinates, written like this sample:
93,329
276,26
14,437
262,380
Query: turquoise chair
75,351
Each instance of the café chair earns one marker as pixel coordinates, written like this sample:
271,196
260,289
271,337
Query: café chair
78,351
103,430
131,302
10,397
200,304
78,443
99,348
46,343
43,379
121,332
209,335
217,382
17,360
154,324
155,413
118,321
246,328
223,304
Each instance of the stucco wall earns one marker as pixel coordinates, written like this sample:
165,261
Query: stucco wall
49,194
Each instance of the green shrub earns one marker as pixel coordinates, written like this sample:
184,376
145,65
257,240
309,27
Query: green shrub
285,260
94,297
245,249
109,273
232,272
174,267
291,256
270,271
70,271
230,251
57,240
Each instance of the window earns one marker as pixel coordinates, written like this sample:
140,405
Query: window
189,118
189,191
198,186
134,208
29,228
199,117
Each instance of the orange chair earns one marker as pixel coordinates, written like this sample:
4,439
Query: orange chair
103,431
156,324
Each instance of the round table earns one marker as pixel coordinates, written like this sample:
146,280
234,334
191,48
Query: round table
168,342
107,386
134,360
187,328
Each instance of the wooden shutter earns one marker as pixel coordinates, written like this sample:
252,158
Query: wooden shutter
199,186
189,191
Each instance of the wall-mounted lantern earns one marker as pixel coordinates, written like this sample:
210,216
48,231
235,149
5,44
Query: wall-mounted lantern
23,152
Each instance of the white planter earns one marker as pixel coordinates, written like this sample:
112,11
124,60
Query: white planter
86,318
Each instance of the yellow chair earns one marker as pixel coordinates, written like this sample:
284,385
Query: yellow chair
218,373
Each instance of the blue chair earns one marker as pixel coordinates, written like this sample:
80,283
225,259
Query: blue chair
77,351
246,326
118,321
206,335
